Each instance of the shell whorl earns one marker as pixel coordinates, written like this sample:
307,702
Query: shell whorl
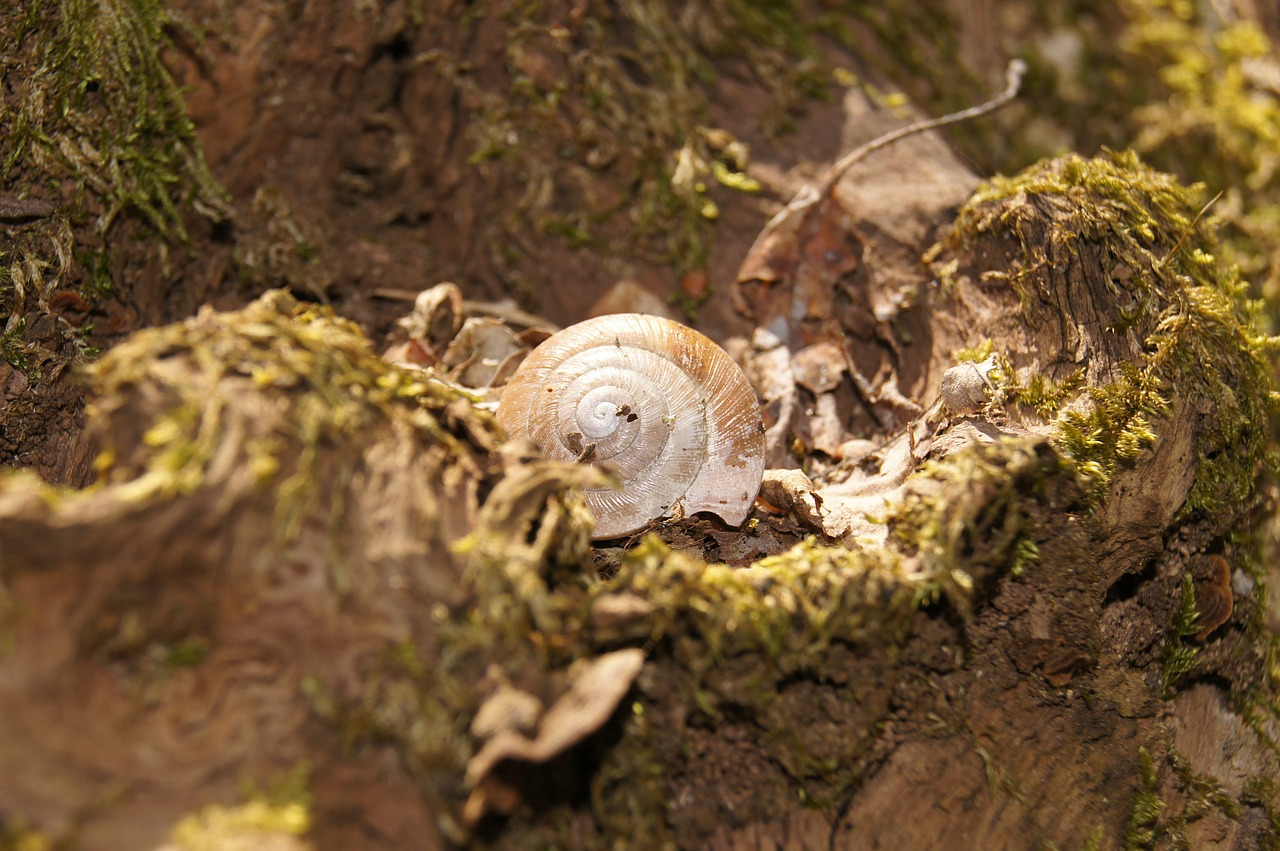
662,405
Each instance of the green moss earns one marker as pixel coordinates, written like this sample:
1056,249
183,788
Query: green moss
628,792
98,105
1143,828
786,610
1260,791
1153,823
1211,117
972,520
1197,327
1178,657
723,637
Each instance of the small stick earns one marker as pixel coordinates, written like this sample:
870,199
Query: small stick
17,209
1187,232
1013,81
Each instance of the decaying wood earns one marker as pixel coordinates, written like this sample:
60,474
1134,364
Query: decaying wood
301,554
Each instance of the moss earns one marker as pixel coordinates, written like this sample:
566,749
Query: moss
1178,657
324,366
786,610
723,637
971,521
97,105
15,835
1198,328
1260,791
1143,830
284,809
628,792
1212,118
1153,823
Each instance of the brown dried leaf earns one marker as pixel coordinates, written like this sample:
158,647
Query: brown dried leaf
787,281
596,688
479,351
820,367
792,492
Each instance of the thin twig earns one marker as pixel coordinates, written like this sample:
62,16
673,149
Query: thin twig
1013,81
1187,232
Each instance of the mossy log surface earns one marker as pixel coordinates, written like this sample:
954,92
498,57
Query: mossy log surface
307,570
308,599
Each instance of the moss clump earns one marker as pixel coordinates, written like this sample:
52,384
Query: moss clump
282,811
724,637
786,610
1142,831
967,518
1213,116
1197,328
1153,823
322,365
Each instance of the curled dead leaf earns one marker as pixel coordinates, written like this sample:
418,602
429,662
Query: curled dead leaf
478,353
436,316
596,687
791,492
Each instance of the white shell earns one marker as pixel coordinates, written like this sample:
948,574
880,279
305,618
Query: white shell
663,406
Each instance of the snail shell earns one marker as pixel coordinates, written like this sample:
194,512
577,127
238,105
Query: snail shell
662,405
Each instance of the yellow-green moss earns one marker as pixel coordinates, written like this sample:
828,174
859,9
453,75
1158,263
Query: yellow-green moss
1213,118
786,610
15,835
971,515
282,810
1153,823
1201,341
1144,815
724,636
323,367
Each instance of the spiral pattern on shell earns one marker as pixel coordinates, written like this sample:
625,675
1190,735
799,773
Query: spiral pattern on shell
665,408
